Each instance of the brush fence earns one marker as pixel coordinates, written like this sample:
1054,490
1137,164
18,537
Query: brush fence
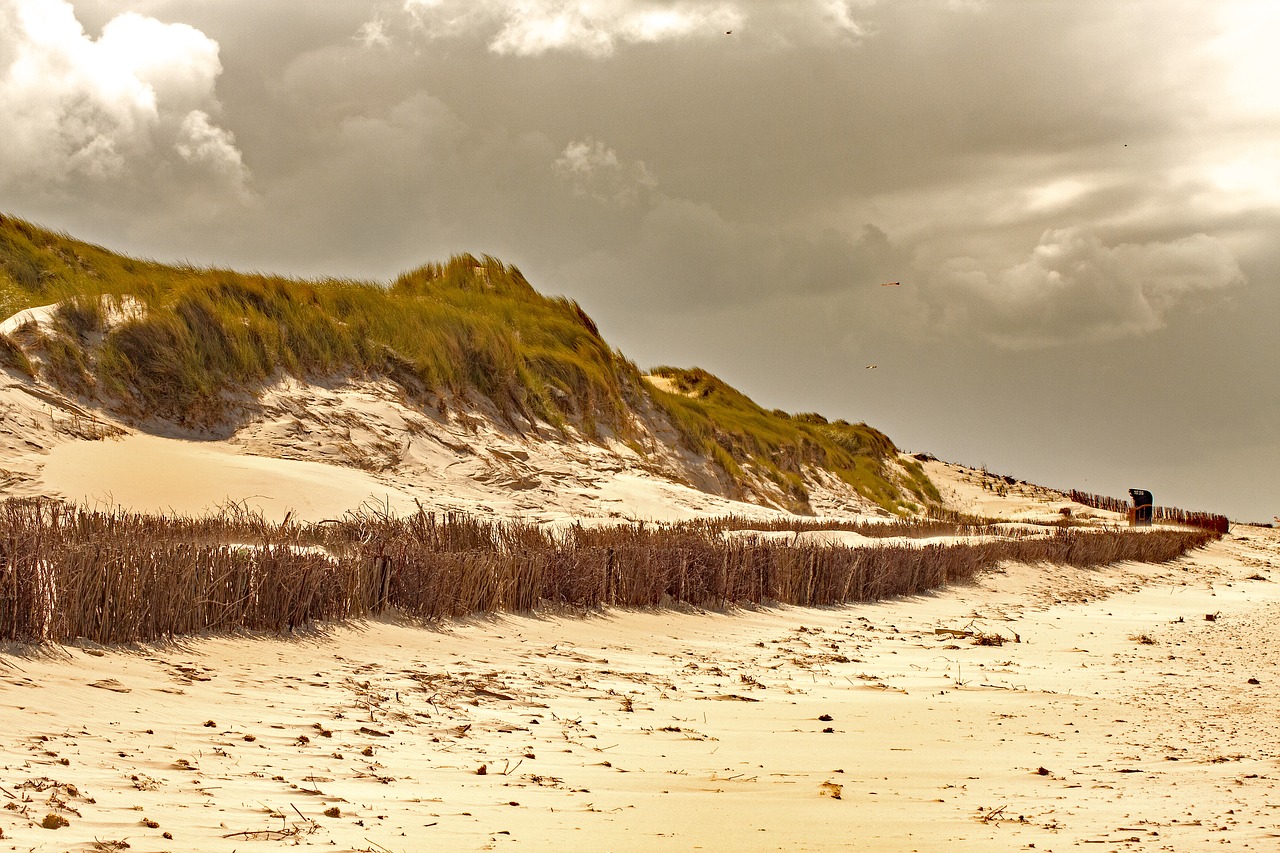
68,573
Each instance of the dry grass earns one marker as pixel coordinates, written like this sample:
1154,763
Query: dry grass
939,523
115,577
12,357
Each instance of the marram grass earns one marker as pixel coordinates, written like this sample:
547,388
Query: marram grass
189,344
721,421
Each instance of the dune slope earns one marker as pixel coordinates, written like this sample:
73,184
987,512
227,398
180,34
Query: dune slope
457,385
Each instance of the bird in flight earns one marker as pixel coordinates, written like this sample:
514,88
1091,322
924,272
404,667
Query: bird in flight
892,284
872,366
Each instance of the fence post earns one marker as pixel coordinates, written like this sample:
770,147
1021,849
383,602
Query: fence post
382,565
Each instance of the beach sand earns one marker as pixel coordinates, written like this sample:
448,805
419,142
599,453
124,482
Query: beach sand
1113,714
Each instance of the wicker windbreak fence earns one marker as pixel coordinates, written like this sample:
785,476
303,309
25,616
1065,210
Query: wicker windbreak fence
1204,520
115,577
1110,504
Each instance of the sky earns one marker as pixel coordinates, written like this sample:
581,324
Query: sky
1079,198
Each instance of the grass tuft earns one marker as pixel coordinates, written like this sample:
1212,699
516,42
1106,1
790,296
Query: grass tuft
13,357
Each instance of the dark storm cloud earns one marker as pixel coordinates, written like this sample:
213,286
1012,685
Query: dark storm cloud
1085,183
686,256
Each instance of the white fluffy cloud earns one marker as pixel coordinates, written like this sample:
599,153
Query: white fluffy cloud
202,142
595,171
1075,288
535,27
845,17
373,33
80,108
596,28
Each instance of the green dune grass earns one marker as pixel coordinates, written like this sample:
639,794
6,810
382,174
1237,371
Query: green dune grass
179,342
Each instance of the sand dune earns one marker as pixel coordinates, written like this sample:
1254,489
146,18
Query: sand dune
375,446
318,451
166,475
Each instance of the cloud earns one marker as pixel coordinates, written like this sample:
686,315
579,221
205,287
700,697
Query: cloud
596,172
79,108
201,142
595,29
1243,49
840,14
685,255
1073,288
373,33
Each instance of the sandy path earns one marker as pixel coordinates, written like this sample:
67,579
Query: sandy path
675,731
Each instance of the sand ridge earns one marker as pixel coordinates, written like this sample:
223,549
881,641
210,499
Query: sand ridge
314,451
381,449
